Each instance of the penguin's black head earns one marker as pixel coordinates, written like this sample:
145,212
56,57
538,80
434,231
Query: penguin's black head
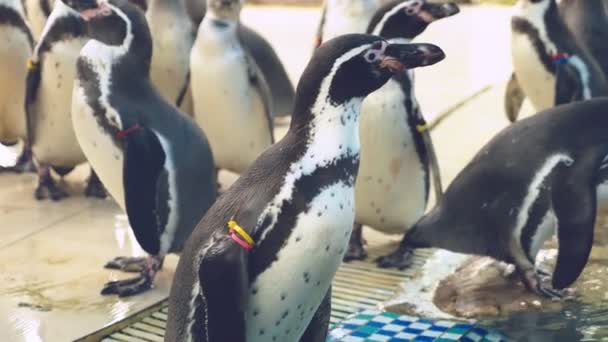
225,9
355,65
408,18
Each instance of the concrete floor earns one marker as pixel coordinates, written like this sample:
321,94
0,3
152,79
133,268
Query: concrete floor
52,253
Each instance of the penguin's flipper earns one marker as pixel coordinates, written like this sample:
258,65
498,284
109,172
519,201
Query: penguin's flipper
575,208
568,86
319,35
258,83
32,84
223,279
514,98
145,184
183,91
433,164
319,325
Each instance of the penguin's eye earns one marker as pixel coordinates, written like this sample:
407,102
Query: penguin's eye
413,7
370,56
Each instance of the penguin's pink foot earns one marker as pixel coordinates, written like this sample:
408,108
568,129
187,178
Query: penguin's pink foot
127,264
401,259
539,282
94,187
137,285
355,250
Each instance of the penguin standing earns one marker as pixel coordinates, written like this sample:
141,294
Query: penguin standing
259,265
155,161
531,178
16,47
48,102
550,66
172,38
232,102
397,154
265,57
37,13
344,16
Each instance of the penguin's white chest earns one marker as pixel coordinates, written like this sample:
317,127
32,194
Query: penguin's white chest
338,23
284,298
14,51
537,83
390,189
105,157
228,109
56,142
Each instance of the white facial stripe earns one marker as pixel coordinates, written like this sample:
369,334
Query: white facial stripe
414,5
535,13
60,10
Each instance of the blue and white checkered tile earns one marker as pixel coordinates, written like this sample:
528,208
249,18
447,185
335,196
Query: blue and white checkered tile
378,326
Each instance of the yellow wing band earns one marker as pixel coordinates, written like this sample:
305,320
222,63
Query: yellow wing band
241,232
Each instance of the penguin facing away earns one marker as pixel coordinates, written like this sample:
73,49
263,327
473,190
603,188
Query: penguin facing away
340,17
397,156
260,263
48,102
264,56
16,47
232,102
531,179
550,66
155,161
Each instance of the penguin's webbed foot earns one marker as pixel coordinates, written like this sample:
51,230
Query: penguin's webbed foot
47,188
401,259
127,264
539,282
355,250
94,187
137,285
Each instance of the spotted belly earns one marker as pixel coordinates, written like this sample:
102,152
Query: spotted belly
390,192
229,110
284,298
105,156
537,83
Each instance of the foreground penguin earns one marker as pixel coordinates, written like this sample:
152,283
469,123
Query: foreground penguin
550,66
397,154
531,178
48,103
154,161
16,47
265,57
340,17
232,102
260,263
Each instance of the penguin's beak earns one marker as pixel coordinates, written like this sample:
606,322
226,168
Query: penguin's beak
89,9
400,57
433,11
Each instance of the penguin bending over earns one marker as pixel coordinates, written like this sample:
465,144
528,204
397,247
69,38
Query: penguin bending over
264,56
535,176
259,265
550,66
48,102
340,17
154,160
232,102
397,154
16,47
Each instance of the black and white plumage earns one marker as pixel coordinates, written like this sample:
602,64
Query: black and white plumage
154,160
550,66
396,157
37,13
340,17
231,96
16,47
296,201
48,102
531,179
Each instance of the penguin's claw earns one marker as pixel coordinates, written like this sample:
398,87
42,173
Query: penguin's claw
127,264
539,282
50,190
398,259
128,287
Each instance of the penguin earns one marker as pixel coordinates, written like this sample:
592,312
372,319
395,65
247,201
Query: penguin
37,13
230,95
16,47
588,21
533,178
155,161
265,57
172,38
397,153
550,66
259,265
48,102
344,16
